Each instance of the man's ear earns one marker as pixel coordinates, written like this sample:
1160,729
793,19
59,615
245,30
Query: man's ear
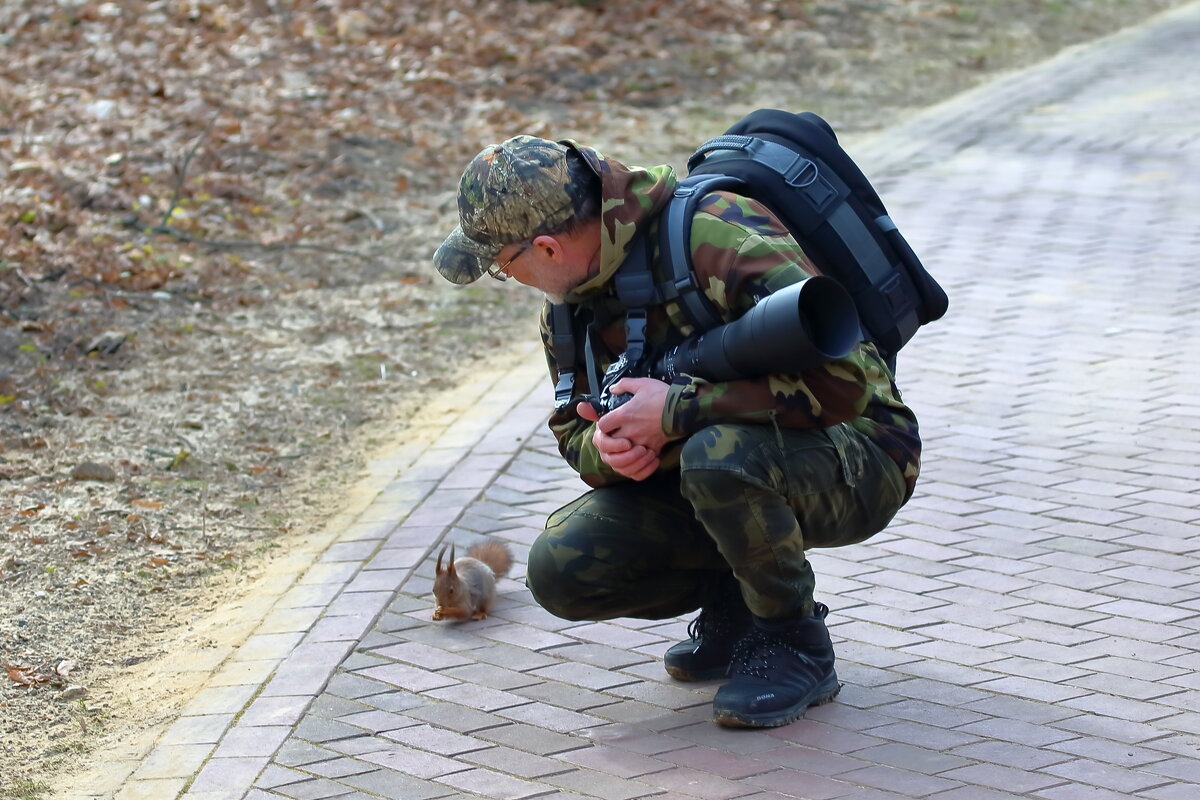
549,247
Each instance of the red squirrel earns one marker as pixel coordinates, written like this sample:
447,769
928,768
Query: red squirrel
466,587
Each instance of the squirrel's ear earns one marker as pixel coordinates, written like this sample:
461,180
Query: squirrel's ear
438,569
450,564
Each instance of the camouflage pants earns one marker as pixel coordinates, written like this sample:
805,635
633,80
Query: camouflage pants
747,498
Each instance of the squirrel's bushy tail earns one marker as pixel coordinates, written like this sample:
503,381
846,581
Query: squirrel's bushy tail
493,553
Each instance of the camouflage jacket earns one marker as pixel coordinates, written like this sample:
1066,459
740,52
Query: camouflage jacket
740,253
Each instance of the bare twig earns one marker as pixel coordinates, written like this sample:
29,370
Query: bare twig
204,518
375,221
181,172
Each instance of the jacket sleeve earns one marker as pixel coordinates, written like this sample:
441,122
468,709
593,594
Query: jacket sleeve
741,254
572,432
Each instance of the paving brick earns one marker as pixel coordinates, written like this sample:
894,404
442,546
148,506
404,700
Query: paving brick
955,653
352,746
1040,669
275,775
414,762
944,672
669,696
314,789
151,789
455,717
377,721
486,783
299,753
248,741
1105,776
593,784
1009,707
1131,668
900,781
574,698
1011,754
517,762
829,737
411,678
976,793
482,698
319,730
394,785
865,697
921,735
1109,706
624,764
173,761
220,700
639,740
493,676
1186,769
1003,777
228,773
1044,691
331,706
1077,791
435,740
338,768
1172,791
695,784
340,628
728,765
584,675
515,658
549,717
531,739
353,686
203,729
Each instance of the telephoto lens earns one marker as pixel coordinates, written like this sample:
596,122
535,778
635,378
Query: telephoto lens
796,328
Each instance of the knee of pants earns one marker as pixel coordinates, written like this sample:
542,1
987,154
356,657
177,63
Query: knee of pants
555,588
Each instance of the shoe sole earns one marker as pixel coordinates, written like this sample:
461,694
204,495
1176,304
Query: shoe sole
692,676
821,695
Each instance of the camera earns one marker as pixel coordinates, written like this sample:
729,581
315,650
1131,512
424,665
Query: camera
799,327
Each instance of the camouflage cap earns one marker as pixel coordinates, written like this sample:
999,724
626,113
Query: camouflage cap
509,193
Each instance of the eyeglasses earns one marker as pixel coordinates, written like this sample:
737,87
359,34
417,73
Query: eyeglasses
500,271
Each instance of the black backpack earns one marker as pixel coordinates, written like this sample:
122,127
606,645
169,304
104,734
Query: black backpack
793,164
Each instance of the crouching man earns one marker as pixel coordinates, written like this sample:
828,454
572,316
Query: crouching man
706,495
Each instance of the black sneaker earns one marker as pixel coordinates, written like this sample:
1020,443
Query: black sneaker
712,636
778,672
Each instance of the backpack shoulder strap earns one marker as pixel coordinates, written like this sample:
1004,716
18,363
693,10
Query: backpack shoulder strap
675,248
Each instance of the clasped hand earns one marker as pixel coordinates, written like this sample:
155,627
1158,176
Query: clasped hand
631,437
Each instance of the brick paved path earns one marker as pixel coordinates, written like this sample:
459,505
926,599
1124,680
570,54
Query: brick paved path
1028,627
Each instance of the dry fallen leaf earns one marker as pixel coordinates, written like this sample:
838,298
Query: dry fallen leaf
26,676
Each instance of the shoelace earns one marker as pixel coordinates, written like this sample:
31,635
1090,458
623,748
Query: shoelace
709,622
706,624
757,651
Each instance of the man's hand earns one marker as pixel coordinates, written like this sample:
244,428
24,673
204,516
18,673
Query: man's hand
631,437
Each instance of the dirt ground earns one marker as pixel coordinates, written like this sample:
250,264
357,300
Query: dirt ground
215,297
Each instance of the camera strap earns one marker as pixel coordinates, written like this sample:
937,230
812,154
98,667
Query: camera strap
562,347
